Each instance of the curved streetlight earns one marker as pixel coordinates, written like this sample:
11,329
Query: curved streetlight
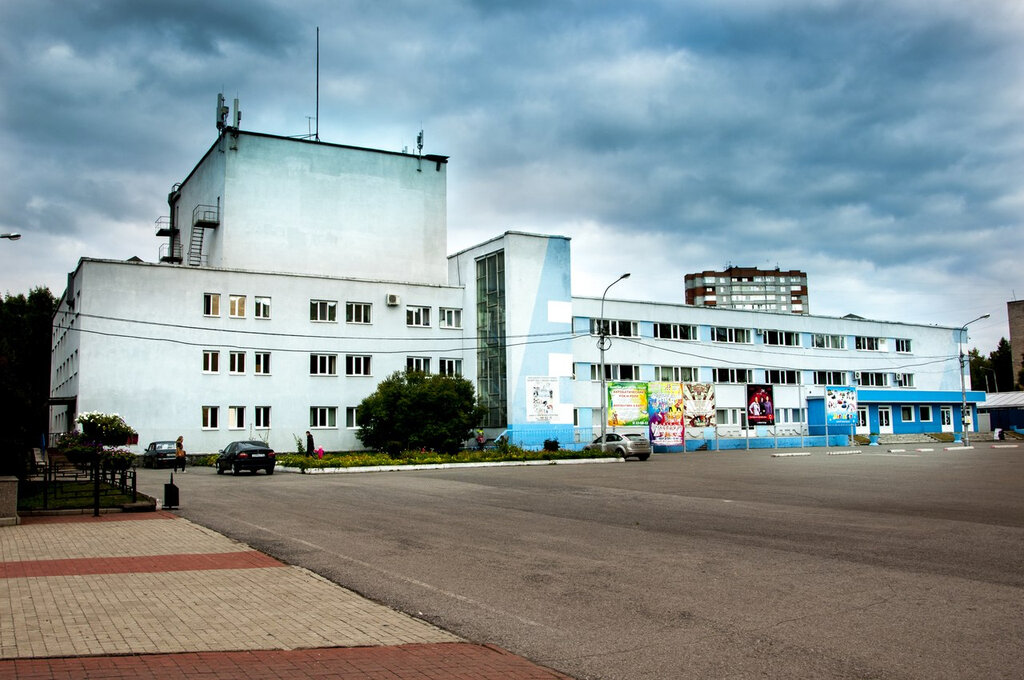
602,344
963,384
13,236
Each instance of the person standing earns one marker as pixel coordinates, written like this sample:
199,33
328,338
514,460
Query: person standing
310,447
179,454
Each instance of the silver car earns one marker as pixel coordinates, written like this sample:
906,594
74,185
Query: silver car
622,445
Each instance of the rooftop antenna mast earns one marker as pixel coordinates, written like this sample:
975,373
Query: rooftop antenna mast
318,83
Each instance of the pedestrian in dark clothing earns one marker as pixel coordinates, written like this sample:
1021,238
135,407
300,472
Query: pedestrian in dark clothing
179,454
310,447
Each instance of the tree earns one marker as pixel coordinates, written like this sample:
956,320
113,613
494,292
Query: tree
25,338
1001,361
412,410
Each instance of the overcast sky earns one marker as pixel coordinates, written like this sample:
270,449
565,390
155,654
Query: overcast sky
878,146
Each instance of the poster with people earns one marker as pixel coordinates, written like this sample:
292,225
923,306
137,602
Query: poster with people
627,404
542,399
698,407
841,405
760,405
665,413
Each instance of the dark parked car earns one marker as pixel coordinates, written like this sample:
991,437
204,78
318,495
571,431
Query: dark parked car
159,454
624,445
246,455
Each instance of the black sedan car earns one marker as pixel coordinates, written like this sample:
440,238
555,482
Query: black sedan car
159,454
246,455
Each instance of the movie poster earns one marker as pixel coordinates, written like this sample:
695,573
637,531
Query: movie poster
542,399
627,404
665,413
760,405
841,405
698,406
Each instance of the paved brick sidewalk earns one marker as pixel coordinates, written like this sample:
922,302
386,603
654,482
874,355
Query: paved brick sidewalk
153,595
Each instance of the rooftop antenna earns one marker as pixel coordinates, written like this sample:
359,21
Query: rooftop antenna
419,151
317,84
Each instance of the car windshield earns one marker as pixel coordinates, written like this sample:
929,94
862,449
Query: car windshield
165,446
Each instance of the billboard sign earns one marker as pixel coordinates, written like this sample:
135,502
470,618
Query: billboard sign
665,413
698,406
760,405
841,405
627,404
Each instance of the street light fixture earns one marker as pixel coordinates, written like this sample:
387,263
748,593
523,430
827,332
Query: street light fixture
602,343
13,236
963,384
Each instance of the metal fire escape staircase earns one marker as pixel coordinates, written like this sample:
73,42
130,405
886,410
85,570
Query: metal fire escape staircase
203,217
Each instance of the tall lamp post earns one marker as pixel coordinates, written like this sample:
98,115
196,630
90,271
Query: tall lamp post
602,343
13,236
963,384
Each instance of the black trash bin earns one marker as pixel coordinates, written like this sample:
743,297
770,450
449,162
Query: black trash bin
170,494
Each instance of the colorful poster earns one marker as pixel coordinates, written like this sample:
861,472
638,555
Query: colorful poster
760,405
627,404
542,399
665,413
698,406
841,405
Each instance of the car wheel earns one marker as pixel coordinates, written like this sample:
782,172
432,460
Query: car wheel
270,470
621,453
644,456
220,469
237,469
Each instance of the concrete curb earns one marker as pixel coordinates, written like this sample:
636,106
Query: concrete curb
791,455
446,466
847,452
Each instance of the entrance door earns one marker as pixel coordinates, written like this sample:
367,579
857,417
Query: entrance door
862,420
947,418
884,420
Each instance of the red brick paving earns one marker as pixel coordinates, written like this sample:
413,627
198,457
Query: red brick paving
106,517
143,564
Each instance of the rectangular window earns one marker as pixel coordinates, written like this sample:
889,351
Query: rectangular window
261,417
830,377
323,310
615,372
872,379
211,361
323,416
675,331
236,362
417,316
821,341
907,413
904,380
738,335
236,306
261,363
733,375
783,377
323,364
261,308
421,364
869,344
675,374
236,417
357,365
621,329
449,317
210,417
350,418
358,312
211,304
926,414
451,367
782,338
731,416
903,346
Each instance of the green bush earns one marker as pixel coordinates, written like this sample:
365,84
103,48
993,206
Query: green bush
550,444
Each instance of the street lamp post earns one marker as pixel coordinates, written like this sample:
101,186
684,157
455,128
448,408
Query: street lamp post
963,384
602,343
13,236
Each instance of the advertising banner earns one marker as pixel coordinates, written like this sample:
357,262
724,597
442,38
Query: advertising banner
841,405
627,404
760,405
698,406
542,399
665,409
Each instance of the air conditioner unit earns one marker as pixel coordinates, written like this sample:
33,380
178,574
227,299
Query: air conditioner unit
393,300
856,377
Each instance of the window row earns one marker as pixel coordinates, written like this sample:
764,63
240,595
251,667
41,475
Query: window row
236,306
362,313
325,364
320,417
631,372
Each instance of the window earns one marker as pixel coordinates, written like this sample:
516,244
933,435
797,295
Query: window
211,361
449,317
417,316
261,417
731,416
926,414
615,372
323,364
904,380
789,415
903,346
783,377
211,304
821,341
733,375
868,344
210,417
357,365
350,418
622,329
261,308
782,338
323,310
421,364
675,331
452,367
720,334
323,416
357,312
236,417
236,362
675,374
830,377
870,379
907,413
236,306
261,363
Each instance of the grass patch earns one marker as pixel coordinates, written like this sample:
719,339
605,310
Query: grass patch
68,496
367,459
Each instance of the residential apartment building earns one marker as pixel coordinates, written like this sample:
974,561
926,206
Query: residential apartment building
765,290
